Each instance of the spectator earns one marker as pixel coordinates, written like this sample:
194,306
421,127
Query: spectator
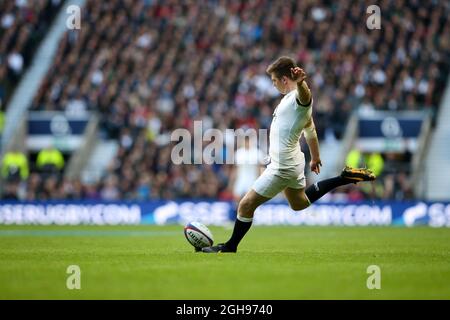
110,190
15,166
373,161
50,160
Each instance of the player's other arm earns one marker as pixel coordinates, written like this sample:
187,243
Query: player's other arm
313,144
303,92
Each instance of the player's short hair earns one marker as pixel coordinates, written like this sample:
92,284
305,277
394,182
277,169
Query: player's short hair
281,67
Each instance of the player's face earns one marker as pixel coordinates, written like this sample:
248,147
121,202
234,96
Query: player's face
278,83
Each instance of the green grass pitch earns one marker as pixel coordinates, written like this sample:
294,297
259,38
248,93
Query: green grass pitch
151,262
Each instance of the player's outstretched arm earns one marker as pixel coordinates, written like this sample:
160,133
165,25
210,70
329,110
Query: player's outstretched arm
304,94
313,144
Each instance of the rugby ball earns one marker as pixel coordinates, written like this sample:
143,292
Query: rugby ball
198,235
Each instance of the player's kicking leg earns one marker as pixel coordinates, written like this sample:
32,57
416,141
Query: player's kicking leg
300,198
244,219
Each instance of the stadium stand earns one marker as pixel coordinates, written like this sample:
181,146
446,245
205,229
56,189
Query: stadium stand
23,25
149,67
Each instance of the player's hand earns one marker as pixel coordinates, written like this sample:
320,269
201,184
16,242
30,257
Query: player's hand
298,74
315,165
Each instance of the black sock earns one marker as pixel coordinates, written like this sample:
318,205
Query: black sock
318,189
239,231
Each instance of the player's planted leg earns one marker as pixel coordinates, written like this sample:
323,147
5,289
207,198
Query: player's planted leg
244,219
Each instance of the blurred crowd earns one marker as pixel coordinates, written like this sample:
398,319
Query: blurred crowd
23,25
148,67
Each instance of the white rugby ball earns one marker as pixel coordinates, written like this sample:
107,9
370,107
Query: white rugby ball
198,235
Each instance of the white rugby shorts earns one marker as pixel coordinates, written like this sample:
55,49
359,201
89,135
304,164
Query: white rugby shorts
272,181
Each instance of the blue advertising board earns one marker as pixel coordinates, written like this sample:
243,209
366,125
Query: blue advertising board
58,129
223,213
390,128
391,131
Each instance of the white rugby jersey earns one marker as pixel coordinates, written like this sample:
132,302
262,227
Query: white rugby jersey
289,119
